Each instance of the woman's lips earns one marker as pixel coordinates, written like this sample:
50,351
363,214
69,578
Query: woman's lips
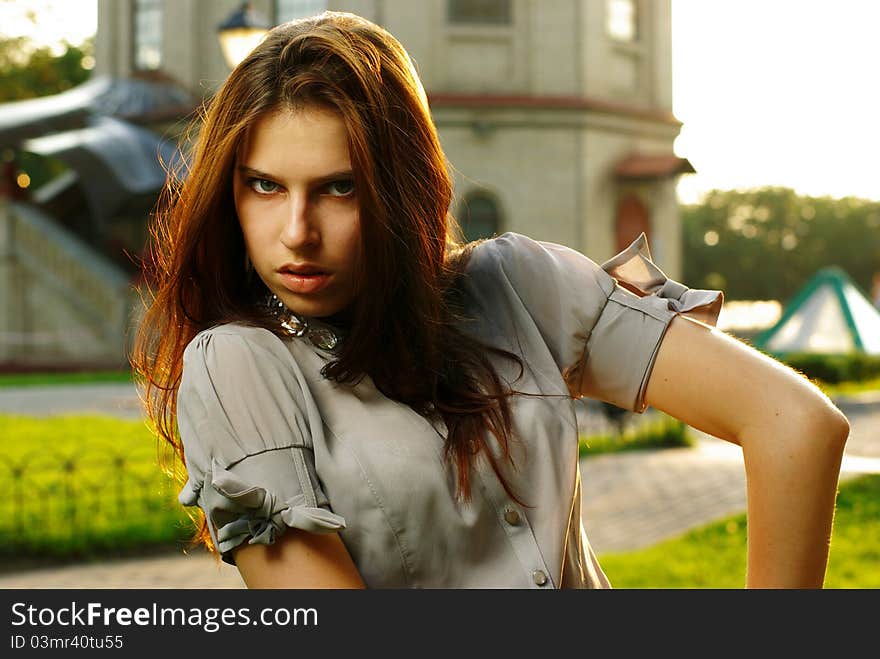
304,283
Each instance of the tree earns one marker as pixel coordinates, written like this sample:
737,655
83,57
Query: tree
28,71
765,243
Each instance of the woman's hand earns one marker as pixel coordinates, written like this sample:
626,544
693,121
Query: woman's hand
791,434
298,559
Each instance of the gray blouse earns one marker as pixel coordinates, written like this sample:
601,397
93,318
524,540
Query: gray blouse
270,444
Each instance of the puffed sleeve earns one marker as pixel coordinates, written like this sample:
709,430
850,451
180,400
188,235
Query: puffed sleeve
602,324
244,422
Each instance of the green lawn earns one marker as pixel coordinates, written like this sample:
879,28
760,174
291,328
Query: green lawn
850,387
84,377
77,486
89,486
74,487
661,432
714,556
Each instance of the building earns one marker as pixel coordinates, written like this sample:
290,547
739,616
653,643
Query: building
71,237
555,114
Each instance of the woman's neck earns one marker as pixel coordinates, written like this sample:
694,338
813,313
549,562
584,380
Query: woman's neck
341,319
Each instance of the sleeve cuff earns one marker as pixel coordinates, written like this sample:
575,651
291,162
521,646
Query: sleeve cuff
635,271
239,511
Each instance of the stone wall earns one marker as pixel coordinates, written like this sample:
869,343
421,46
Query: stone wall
62,305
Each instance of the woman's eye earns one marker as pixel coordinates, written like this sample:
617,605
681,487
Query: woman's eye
263,186
341,188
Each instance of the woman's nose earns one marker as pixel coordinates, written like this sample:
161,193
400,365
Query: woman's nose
299,226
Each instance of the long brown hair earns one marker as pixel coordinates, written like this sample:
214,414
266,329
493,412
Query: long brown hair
403,331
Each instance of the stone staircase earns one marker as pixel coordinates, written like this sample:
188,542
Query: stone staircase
62,305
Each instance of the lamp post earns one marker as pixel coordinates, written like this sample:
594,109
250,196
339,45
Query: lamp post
242,30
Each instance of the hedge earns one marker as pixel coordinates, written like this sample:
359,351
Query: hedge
834,369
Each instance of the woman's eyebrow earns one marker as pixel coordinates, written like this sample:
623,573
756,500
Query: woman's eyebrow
249,171
333,176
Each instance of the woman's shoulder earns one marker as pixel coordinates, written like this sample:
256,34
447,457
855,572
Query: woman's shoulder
240,394
235,337
239,356
243,330
511,248
526,263
234,375
491,252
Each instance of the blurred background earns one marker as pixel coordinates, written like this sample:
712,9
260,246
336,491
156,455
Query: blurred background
740,136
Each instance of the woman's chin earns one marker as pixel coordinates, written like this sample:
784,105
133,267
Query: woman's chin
312,306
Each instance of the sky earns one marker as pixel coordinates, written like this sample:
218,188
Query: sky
57,20
778,92
770,92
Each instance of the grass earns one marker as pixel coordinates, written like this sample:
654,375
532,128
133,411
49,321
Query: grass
83,486
849,387
81,377
65,472
714,556
663,432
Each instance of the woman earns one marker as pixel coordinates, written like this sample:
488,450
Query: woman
362,401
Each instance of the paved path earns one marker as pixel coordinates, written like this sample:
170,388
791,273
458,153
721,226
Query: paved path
634,500
115,399
631,500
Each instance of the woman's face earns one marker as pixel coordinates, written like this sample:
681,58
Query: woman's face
298,210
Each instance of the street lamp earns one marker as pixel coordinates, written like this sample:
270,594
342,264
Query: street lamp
242,30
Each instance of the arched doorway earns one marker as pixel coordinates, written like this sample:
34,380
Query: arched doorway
479,215
632,219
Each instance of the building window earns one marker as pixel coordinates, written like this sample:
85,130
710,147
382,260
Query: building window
147,35
480,12
622,20
288,10
479,216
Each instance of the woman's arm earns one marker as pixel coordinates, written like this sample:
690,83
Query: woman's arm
791,434
298,559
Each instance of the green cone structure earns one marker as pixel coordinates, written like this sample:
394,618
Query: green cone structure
828,315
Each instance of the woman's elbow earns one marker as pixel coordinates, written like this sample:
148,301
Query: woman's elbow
818,421
800,417
829,423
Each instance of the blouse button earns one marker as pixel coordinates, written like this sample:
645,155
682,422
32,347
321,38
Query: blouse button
511,517
539,577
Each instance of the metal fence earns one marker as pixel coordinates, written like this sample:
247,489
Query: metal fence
57,500
49,500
